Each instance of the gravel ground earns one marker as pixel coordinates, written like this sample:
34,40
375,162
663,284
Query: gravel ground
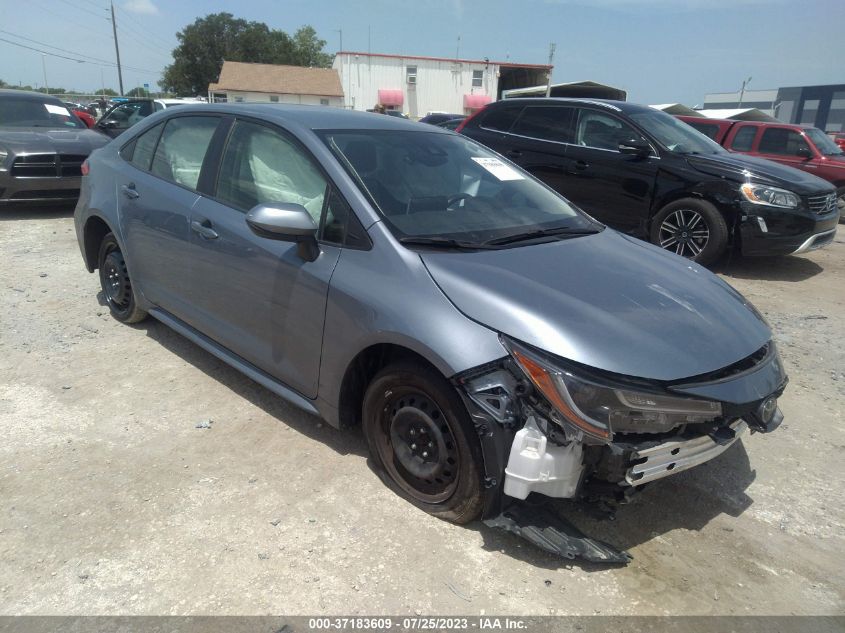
140,475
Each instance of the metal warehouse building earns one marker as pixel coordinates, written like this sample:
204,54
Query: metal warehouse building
820,106
420,85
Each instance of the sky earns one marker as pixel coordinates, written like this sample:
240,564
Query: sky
660,51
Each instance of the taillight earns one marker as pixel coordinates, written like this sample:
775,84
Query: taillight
463,123
85,168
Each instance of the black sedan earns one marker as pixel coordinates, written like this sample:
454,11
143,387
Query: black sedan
42,148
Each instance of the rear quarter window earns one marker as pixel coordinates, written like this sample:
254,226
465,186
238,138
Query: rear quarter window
499,119
710,130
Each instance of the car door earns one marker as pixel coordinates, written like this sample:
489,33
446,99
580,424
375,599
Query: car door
538,141
613,187
255,295
156,189
787,146
489,126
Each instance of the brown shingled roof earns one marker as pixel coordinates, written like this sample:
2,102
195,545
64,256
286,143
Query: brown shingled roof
276,79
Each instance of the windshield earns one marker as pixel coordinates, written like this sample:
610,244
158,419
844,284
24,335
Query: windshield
29,112
675,135
435,185
823,142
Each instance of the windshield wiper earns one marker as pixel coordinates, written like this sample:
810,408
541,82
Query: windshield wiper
445,242
533,235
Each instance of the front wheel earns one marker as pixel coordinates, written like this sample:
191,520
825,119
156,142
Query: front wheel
116,284
422,441
691,228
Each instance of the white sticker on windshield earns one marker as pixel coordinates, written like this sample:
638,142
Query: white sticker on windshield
54,109
499,169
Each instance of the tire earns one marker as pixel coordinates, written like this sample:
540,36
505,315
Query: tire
840,203
439,470
677,228
116,283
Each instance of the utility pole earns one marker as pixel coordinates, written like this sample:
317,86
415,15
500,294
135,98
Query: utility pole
44,68
116,49
552,48
742,91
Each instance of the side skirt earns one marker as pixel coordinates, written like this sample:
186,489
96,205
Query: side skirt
248,369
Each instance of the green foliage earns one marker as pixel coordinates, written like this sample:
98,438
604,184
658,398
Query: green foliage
137,92
205,44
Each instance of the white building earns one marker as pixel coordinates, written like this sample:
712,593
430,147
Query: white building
273,83
421,85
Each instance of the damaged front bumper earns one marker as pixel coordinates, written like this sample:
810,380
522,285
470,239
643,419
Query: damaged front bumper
528,447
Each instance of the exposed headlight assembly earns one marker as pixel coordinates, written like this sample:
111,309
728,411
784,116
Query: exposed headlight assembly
599,410
769,196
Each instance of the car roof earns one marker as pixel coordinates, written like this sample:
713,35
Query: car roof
27,94
620,106
313,117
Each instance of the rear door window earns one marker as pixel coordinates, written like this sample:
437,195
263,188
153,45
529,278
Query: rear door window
548,123
783,141
140,152
744,138
181,150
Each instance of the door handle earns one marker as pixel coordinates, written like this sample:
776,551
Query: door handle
514,153
129,191
580,165
204,229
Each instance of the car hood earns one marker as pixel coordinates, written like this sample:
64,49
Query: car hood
742,168
46,140
607,301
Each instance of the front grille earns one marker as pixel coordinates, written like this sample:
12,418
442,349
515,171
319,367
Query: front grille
825,203
48,166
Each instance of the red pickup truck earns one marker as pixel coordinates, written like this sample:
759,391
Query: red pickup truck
801,146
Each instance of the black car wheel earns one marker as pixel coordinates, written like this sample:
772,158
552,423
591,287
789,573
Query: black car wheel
116,283
422,441
691,228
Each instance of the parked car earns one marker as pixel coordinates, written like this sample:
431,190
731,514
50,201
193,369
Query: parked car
127,112
801,146
490,338
435,118
42,147
451,124
86,118
839,139
645,173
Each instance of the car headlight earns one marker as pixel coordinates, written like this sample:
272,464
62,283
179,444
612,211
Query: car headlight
599,410
3,154
770,196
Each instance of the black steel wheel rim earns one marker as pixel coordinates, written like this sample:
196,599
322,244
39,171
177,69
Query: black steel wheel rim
684,232
115,281
416,443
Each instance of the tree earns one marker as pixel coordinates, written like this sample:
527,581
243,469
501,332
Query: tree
137,92
205,44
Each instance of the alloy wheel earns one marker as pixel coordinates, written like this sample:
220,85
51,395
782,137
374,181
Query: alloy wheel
684,232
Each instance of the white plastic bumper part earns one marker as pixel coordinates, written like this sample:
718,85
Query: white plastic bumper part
535,465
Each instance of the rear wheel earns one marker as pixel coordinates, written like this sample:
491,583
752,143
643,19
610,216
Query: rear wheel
691,228
422,441
115,282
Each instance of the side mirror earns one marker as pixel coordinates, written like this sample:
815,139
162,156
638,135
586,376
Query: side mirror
634,147
804,152
287,222
110,124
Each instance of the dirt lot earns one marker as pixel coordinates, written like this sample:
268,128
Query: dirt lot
113,501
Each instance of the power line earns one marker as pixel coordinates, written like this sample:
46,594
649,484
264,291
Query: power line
75,59
76,7
130,18
67,19
64,50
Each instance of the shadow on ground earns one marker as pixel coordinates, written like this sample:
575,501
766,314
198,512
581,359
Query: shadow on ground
17,212
786,268
688,500
343,442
